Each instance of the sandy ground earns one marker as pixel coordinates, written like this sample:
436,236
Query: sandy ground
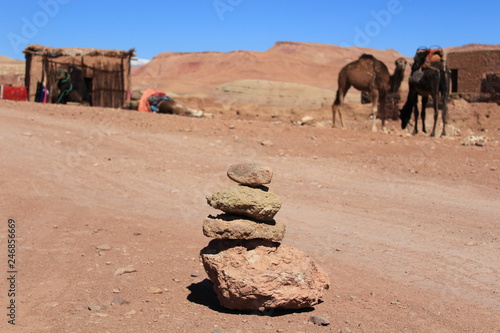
407,227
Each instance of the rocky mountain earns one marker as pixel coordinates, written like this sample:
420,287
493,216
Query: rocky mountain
289,74
302,63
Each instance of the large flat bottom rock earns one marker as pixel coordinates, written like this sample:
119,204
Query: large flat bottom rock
259,274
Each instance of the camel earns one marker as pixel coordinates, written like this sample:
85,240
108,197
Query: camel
172,107
371,75
70,87
151,100
430,77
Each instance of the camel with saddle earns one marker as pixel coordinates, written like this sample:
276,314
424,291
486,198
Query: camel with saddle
430,77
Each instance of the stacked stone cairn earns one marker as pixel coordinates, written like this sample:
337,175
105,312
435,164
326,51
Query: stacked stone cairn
249,267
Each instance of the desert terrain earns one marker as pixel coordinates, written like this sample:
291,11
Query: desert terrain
108,206
11,71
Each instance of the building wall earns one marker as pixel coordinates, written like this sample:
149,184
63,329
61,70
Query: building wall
471,70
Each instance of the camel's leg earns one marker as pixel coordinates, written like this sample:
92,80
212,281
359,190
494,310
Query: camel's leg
445,90
436,113
334,111
445,111
382,109
336,106
415,113
341,119
425,99
374,96
445,115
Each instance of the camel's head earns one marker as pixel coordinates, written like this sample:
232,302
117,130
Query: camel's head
61,73
398,75
401,63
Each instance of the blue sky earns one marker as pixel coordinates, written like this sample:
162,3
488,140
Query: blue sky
154,26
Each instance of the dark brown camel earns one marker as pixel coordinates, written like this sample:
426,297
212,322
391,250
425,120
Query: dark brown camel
70,87
430,77
370,75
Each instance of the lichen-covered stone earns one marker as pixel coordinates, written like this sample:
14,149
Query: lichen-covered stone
258,203
232,227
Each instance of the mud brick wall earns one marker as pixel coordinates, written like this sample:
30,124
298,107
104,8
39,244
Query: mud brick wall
471,69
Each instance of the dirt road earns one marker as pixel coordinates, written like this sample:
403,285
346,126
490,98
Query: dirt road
406,227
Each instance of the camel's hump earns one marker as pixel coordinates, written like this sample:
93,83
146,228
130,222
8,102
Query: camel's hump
366,56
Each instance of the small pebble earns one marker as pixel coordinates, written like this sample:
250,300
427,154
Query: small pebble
119,300
319,321
103,247
96,307
123,270
51,304
266,143
154,290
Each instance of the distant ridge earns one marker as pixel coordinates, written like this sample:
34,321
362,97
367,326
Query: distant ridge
472,47
311,64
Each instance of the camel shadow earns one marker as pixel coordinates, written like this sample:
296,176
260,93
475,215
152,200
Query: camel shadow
203,293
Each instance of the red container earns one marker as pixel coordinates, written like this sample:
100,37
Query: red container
14,93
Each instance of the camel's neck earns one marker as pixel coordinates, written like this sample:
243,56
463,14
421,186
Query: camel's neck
396,79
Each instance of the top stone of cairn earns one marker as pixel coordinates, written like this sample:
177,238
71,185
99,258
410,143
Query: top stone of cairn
250,174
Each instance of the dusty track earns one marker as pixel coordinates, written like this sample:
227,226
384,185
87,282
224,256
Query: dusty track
406,227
